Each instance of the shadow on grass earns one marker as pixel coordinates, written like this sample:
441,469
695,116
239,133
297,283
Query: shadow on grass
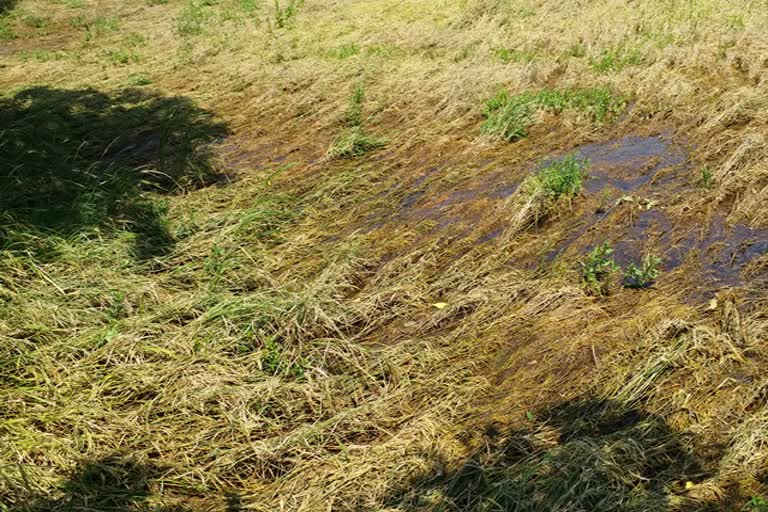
6,5
115,483
74,160
589,454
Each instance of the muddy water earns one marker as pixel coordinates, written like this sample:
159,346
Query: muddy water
640,176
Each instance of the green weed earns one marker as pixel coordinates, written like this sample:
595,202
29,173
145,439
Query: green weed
275,361
218,263
508,117
576,51
139,80
116,308
268,218
35,21
354,141
562,178
6,31
706,178
756,504
644,275
597,266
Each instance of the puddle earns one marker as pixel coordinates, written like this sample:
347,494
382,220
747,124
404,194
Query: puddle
628,163
720,251
727,250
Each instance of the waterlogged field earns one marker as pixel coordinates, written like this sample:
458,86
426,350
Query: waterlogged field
400,255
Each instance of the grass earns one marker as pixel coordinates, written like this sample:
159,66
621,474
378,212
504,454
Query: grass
508,117
355,140
285,14
199,310
598,266
613,60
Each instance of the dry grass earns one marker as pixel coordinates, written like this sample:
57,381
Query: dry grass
245,323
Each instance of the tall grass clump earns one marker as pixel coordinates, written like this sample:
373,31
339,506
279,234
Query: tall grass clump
560,179
541,193
284,15
508,117
355,140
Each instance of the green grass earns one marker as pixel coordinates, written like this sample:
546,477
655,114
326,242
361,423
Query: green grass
613,60
706,178
285,14
354,116
355,140
508,117
560,179
344,51
507,55
193,18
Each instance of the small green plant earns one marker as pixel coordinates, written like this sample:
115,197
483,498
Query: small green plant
139,80
274,361
644,275
34,21
598,266
6,31
576,51
96,27
507,117
706,178
756,504
284,15
562,178
123,56
116,307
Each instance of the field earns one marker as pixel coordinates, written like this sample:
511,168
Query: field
392,255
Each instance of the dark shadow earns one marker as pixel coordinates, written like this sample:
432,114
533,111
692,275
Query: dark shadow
6,6
115,483
72,160
588,454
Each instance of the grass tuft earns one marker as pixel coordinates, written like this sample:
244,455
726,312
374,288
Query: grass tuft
354,142
508,117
